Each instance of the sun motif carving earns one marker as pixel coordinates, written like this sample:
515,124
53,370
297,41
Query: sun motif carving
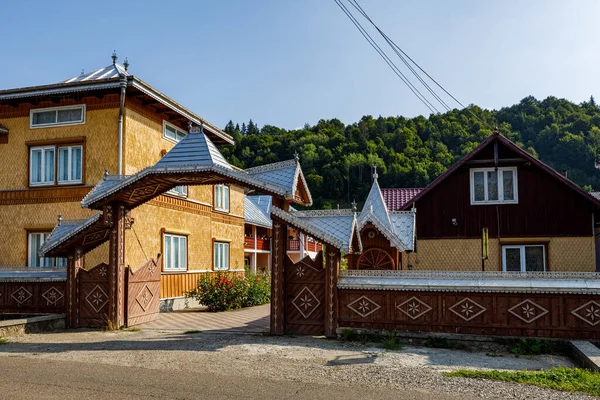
589,312
145,297
377,259
52,295
467,309
300,272
97,298
414,308
364,306
528,311
306,302
21,295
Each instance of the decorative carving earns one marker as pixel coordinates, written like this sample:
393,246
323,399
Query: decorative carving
528,311
21,295
107,215
306,302
103,271
52,295
95,236
144,191
300,271
145,297
275,276
128,219
375,259
332,268
414,308
467,309
589,313
364,306
97,298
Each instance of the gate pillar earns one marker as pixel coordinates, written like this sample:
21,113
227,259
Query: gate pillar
331,291
116,215
74,264
279,254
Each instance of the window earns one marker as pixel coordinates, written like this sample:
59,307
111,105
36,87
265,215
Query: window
175,253
524,258
179,191
171,132
222,198
34,242
43,164
70,115
221,256
494,186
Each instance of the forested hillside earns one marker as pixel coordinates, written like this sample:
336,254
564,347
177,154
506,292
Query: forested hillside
337,158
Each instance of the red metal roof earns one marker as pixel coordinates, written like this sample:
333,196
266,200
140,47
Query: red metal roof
397,198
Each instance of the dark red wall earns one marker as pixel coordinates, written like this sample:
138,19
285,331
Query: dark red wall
547,207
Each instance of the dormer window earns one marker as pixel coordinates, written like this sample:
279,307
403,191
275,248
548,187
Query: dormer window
494,185
53,116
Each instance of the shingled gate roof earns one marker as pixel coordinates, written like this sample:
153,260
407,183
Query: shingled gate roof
286,174
90,233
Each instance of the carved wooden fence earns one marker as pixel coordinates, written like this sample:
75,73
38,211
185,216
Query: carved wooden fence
143,293
305,296
93,296
32,297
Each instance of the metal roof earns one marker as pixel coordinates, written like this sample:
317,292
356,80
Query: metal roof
375,204
397,198
193,149
32,274
112,71
66,230
334,227
254,214
286,174
3,129
438,281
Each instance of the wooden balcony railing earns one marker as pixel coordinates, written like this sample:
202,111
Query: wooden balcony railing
249,243
293,245
263,244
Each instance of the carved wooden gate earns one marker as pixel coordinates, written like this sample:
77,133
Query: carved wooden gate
143,293
305,296
93,296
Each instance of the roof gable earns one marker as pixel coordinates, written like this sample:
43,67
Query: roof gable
287,174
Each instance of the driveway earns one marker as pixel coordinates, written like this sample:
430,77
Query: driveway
245,320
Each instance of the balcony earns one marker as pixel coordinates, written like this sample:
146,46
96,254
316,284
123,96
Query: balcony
261,244
293,245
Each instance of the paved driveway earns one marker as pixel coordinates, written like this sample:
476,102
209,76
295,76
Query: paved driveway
245,320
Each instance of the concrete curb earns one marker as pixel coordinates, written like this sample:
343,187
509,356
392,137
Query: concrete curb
586,354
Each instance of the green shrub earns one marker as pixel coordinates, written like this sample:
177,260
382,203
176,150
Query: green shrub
225,291
531,347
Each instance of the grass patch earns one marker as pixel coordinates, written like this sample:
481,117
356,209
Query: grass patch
390,343
3,340
192,332
559,378
132,329
532,347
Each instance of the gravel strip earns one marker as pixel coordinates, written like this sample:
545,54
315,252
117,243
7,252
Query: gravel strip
305,359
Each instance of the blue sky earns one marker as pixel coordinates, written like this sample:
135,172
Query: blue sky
290,62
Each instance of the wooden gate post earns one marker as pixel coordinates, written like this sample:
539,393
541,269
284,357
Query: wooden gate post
331,291
74,264
116,213
277,277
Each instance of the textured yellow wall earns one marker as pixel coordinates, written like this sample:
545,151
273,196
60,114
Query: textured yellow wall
17,218
101,150
564,254
201,230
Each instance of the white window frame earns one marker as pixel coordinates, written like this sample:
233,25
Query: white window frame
177,129
522,249
46,109
500,186
183,256
183,193
70,180
44,236
220,203
43,162
221,257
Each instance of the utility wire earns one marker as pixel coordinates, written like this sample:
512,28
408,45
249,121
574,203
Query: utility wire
383,55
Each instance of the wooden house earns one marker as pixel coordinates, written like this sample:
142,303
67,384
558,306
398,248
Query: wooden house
536,219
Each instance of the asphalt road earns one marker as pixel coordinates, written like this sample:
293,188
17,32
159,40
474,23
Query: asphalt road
28,378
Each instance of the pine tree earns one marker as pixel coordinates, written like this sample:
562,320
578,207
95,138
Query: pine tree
244,130
229,128
252,129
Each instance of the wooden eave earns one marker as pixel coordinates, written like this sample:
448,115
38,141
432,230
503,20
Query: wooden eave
87,240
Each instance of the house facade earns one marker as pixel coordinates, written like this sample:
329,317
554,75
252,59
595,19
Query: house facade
536,219
58,140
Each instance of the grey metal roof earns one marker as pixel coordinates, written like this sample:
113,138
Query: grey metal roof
32,274
254,214
65,231
112,71
397,227
336,227
196,150
596,195
3,129
286,174
264,203
584,283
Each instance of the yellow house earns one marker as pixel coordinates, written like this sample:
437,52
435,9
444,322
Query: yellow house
58,140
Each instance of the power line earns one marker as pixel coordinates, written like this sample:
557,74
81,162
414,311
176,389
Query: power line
383,55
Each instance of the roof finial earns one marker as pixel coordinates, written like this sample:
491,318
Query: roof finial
105,173
496,130
190,124
82,71
114,56
126,63
354,205
375,176
59,219
296,156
